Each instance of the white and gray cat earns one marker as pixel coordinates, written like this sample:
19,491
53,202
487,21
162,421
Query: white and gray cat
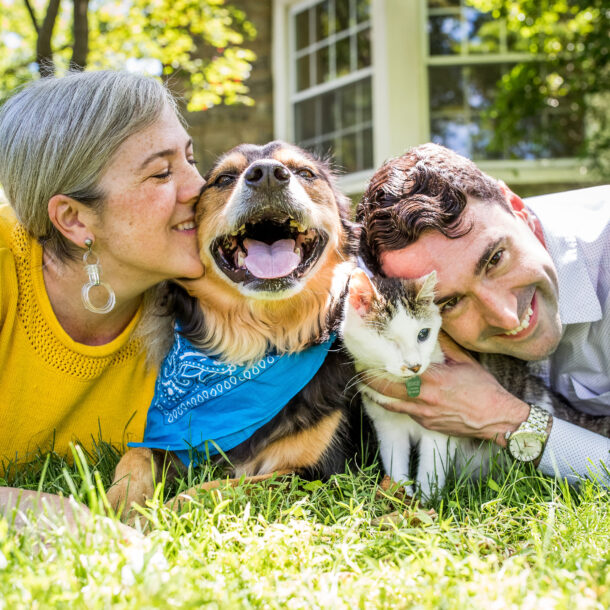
390,328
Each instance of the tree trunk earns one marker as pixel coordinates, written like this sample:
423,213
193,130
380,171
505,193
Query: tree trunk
44,52
81,35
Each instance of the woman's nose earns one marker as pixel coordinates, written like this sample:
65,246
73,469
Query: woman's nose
191,184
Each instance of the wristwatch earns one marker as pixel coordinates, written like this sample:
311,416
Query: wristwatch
526,443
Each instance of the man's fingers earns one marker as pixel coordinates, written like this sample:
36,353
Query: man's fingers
400,406
387,387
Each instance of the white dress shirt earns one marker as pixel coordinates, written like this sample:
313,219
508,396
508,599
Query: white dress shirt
576,226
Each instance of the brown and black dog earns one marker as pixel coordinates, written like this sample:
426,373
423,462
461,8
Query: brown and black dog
281,200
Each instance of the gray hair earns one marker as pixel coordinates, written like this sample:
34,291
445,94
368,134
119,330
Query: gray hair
58,135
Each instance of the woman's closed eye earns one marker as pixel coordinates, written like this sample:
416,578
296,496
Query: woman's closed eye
163,175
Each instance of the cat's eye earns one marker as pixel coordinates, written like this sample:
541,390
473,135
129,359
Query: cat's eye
424,333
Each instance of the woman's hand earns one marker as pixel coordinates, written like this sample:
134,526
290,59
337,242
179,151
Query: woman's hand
458,398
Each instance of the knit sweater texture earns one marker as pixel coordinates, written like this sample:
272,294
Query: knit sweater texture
53,390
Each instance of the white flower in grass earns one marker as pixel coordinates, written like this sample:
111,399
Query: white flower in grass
3,561
127,577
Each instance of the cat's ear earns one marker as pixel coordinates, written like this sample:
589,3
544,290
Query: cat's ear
428,284
361,292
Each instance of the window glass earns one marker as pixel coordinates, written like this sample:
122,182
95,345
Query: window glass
469,53
302,29
332,99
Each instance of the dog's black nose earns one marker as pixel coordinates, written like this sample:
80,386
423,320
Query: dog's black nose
267,173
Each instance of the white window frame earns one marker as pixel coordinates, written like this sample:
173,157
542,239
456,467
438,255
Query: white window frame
401,118
285,92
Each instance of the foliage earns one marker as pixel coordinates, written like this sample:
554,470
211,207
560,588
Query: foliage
571,37
513,539
196,45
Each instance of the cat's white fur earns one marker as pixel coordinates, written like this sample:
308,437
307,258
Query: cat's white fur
391,353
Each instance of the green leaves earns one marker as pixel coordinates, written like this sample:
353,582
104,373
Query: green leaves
195,45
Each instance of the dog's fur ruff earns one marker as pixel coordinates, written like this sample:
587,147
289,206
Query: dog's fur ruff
242,320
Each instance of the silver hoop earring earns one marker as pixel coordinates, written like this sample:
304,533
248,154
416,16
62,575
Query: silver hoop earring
93,271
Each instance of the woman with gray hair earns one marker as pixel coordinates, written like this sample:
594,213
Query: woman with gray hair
99,173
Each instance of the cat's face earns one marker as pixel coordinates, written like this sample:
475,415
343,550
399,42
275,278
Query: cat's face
391,324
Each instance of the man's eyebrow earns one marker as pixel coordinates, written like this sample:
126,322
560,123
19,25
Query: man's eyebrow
168,152
487,254
478,268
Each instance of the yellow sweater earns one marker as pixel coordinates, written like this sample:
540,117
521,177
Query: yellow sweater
53,390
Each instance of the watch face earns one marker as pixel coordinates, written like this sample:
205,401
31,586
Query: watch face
525,446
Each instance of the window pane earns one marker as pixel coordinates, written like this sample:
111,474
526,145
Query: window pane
482,31
349,153
350,105
305,119
446,87
481,132
363,10
565,130
482,85
364,99
342,50
445,35
455,134
342,15
364,49
322,20
339,121
328,108
303,79
367,149
322,65
302,29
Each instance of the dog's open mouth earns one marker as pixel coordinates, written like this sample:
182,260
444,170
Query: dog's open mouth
271,252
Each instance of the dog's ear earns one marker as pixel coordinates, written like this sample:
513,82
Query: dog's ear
361,292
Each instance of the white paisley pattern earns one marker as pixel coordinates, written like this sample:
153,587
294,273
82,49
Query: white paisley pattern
188,378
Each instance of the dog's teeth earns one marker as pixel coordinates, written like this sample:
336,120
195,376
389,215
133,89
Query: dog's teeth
241,259
301,228
297,251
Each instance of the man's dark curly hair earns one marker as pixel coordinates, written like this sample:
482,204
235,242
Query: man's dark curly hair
424,189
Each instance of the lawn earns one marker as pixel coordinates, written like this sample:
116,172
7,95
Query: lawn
512,540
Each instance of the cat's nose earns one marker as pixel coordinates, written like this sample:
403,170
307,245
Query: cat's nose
414,369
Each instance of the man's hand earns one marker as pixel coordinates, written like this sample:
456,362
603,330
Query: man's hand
458,398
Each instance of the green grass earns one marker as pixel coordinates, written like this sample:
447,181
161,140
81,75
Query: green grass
512,540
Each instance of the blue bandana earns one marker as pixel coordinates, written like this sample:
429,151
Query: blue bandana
199,399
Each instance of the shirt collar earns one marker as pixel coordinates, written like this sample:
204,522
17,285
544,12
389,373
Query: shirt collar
578,300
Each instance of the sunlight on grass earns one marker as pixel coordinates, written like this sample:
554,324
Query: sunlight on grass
514,539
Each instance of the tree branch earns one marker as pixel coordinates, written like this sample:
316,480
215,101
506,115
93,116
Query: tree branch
44,52
32,15
81,35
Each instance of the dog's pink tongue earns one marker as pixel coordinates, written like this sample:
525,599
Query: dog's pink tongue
276,260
